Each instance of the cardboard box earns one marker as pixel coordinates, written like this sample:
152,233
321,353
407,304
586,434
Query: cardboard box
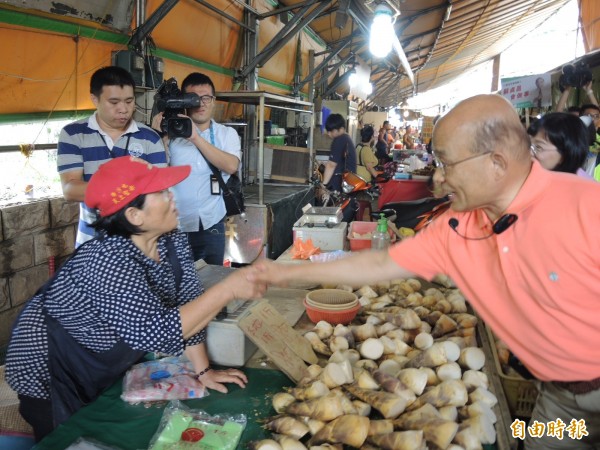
325,238
277,339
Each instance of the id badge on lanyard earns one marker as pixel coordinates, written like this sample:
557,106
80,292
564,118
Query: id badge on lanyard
215,189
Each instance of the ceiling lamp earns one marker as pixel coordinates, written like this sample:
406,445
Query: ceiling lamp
353,80
382,31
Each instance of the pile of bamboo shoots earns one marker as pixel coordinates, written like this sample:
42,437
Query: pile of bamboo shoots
405,375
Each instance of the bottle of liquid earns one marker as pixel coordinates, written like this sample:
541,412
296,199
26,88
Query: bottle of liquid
381,237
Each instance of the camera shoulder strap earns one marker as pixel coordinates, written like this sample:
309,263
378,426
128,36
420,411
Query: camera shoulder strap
215,171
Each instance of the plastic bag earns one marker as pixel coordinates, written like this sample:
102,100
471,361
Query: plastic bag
329,256
90,444
182,428
169,378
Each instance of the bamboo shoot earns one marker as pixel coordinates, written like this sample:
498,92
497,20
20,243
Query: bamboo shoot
350,430
399,440
389,405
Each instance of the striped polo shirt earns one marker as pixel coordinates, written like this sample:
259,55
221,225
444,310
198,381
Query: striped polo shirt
83,145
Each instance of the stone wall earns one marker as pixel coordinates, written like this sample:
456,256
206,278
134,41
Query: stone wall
30,234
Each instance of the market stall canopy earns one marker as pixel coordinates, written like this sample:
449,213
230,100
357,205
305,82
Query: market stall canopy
438,41
441,39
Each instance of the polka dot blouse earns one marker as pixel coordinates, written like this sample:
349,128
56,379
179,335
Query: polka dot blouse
109,291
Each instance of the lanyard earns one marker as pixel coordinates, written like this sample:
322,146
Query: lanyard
112,155
212,134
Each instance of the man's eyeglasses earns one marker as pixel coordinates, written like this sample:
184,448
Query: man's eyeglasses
443,166
207,99
594,116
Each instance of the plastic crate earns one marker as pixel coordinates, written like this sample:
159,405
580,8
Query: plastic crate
521,394
360,228
326,238
363,228
275,140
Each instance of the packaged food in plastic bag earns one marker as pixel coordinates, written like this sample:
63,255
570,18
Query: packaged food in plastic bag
168,378
90,444
182,428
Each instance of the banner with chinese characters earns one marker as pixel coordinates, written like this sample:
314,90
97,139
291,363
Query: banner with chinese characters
533,91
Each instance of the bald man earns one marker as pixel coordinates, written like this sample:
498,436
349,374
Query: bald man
522,243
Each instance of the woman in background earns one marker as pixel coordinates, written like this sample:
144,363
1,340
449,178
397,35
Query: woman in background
559,141
367,160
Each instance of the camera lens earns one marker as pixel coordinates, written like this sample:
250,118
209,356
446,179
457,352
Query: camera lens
178,126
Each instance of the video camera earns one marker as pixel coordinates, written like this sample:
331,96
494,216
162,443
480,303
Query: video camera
171,101
574,75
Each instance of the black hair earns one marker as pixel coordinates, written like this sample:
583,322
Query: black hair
366,134
335,122
196,79
582,108
117,224
568,134
110,76
573,109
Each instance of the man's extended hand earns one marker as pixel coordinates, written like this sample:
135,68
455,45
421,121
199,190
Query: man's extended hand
268,272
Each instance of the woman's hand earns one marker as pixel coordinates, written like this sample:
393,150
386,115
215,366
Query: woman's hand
267,271
244,284
214,379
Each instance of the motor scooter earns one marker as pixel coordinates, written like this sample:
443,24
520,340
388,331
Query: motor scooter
354,188
415,214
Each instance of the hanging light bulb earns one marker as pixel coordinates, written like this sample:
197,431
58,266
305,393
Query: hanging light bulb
353,80
382,31
368,88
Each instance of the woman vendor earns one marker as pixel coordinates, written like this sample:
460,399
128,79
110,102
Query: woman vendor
130,291
365,154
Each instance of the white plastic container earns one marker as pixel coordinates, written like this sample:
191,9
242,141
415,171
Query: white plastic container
325,238
226,343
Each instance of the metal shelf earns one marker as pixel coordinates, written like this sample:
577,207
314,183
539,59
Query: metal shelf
262,100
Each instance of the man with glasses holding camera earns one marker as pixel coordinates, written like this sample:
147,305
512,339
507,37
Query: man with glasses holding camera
199,198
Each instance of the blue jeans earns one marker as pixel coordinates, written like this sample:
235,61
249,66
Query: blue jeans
209,244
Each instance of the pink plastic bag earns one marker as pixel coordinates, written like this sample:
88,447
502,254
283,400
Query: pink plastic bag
169,378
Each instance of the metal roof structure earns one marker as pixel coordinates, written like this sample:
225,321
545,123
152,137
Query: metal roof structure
438,40
441,39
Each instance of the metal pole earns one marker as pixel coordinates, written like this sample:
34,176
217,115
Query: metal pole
311,82
261,150
323,63
146,28
222,13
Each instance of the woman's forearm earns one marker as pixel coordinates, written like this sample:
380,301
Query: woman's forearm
197,314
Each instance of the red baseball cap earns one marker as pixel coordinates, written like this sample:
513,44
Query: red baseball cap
120,180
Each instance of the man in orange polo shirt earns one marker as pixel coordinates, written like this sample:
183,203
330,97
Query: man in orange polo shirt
522,243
